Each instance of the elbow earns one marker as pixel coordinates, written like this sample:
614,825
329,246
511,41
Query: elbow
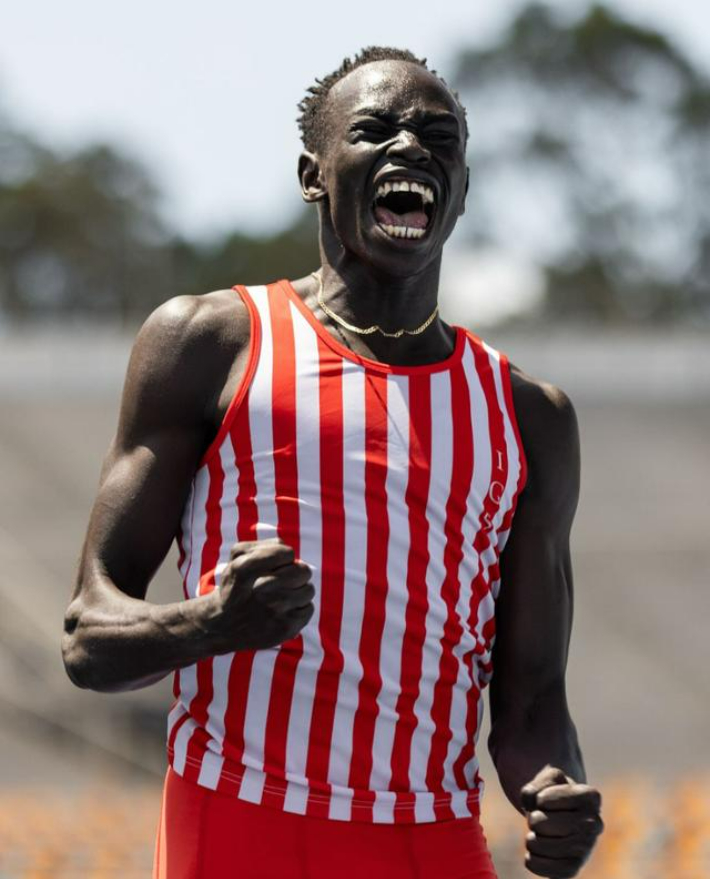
74,666
74,652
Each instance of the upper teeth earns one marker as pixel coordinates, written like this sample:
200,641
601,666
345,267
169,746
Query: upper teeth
426,192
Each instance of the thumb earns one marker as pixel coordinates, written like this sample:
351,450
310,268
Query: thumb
548,776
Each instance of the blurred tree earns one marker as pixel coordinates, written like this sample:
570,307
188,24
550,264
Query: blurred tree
590,146
78,234
243,259
81,235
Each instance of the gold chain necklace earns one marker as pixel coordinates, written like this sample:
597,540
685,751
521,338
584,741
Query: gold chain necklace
375,328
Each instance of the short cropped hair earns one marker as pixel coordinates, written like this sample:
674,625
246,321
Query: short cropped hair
313,123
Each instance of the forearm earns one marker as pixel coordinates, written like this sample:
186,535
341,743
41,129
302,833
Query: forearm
522,744
115,642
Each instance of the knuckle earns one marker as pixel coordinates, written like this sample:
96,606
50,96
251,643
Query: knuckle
240,547
239,563
534,866
537,818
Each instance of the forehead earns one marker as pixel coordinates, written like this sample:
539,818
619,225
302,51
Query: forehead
399,87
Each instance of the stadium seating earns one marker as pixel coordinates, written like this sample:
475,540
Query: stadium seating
98,833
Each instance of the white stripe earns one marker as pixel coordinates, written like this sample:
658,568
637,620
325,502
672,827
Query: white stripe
262,441
383,807
514,463
470,563
439,490
252,786
424,807
311,523
472,768
176,712
458,804
396,596
221,665
228,503
201,486
355,573
498,537
181,741
261,423
340,808
186,531
210,770
188,689
489,556
296,797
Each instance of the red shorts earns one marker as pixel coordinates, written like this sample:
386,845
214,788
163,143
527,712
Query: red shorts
208,835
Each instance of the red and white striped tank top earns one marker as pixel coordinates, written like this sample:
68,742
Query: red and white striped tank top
397,485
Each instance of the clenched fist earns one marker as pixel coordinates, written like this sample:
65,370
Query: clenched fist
264,598
564,821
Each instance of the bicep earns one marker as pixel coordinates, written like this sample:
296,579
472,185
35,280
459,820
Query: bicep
137,510
147,472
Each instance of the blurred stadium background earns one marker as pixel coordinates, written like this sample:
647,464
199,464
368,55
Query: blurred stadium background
584,254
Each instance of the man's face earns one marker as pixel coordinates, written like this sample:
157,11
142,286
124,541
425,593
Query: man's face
394,167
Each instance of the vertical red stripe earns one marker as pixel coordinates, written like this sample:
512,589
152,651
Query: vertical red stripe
462,472
330,390
210,557
286,479
481,583
240,670
523,474
375,590
416,498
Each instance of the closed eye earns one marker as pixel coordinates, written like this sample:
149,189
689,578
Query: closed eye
372,131
441,135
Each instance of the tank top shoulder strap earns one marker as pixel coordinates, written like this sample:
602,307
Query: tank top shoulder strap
255,336
499,365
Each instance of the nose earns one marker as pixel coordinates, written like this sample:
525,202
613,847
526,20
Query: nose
407,146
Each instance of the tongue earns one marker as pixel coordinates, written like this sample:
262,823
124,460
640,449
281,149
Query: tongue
413,219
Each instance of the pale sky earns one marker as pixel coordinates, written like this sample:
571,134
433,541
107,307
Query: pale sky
206,96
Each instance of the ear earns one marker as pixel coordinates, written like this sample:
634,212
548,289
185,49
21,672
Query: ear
310,176
462,209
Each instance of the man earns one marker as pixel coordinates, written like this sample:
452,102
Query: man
343,470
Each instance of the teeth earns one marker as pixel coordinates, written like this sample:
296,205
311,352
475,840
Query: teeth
426,192
402,231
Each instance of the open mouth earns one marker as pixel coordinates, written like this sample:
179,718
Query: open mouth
404,207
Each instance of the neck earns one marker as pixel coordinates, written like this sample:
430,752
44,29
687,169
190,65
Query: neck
364,295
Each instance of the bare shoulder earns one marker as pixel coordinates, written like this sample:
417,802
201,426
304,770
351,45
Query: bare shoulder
183,359
550,435
538,402
185,323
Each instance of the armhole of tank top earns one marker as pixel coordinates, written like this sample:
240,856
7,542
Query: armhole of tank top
508,394
245,382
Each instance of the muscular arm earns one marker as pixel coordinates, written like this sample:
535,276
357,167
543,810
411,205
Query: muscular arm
533,740
185,364
114,639
530,722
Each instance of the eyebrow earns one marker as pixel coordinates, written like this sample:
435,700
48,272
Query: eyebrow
426,118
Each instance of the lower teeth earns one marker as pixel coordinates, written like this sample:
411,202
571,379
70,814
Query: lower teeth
403,231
